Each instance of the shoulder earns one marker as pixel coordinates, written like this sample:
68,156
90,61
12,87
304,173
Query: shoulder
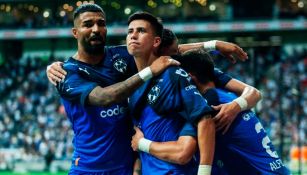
121,49
176,72
71,64
115,52
212,96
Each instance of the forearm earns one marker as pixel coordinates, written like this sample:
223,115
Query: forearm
114,93
179,152
251,95
185,47
206,140
208,46
167,151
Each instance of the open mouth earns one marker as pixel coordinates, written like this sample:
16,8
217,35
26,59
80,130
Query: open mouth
96,41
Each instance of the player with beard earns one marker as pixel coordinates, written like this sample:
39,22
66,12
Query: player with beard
92,80
95,102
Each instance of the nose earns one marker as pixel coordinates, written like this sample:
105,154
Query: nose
95,28
133,35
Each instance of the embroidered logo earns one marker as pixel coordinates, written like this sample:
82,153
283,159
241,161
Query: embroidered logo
120,65
153,94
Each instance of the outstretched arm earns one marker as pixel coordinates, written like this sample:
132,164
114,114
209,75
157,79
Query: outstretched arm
180,151
227,49
248,98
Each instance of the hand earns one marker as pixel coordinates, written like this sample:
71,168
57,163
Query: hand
160,64
135,138
231,51
228,113
55,72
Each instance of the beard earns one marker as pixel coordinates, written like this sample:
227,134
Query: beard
94,49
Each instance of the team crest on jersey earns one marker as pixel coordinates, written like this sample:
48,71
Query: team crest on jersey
246,116
153,94
120,65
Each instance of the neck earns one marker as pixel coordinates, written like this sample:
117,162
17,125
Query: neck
144,61
204,87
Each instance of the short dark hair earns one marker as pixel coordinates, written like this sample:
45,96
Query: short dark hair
87,8
199,63
168,37
154,21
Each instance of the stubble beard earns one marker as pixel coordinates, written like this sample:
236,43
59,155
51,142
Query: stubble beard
93,49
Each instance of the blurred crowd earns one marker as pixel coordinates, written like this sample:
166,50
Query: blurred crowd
33,121
29,15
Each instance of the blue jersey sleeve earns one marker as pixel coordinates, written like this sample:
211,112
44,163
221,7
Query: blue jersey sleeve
193,104
188,130
221,78
74,88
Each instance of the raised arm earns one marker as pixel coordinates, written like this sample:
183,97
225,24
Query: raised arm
248,98
180,151
227,49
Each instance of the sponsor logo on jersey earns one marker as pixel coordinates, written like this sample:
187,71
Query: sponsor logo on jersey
190,87
182,73
69,89
153,94
120,65
116,111
84,70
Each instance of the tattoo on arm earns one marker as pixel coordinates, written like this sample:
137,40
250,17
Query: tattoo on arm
105,96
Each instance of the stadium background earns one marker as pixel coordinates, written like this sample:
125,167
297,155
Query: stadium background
35,136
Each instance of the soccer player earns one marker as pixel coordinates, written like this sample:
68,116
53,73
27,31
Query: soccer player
227,112
94,94
92,80
162,105
245,148
180,151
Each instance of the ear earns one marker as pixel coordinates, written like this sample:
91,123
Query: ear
74,32
193,77
157,41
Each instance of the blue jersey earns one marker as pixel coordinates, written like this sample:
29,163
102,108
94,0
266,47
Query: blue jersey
101,134
162,106
245,148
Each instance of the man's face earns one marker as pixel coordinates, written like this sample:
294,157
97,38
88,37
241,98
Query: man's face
90,30
141,39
